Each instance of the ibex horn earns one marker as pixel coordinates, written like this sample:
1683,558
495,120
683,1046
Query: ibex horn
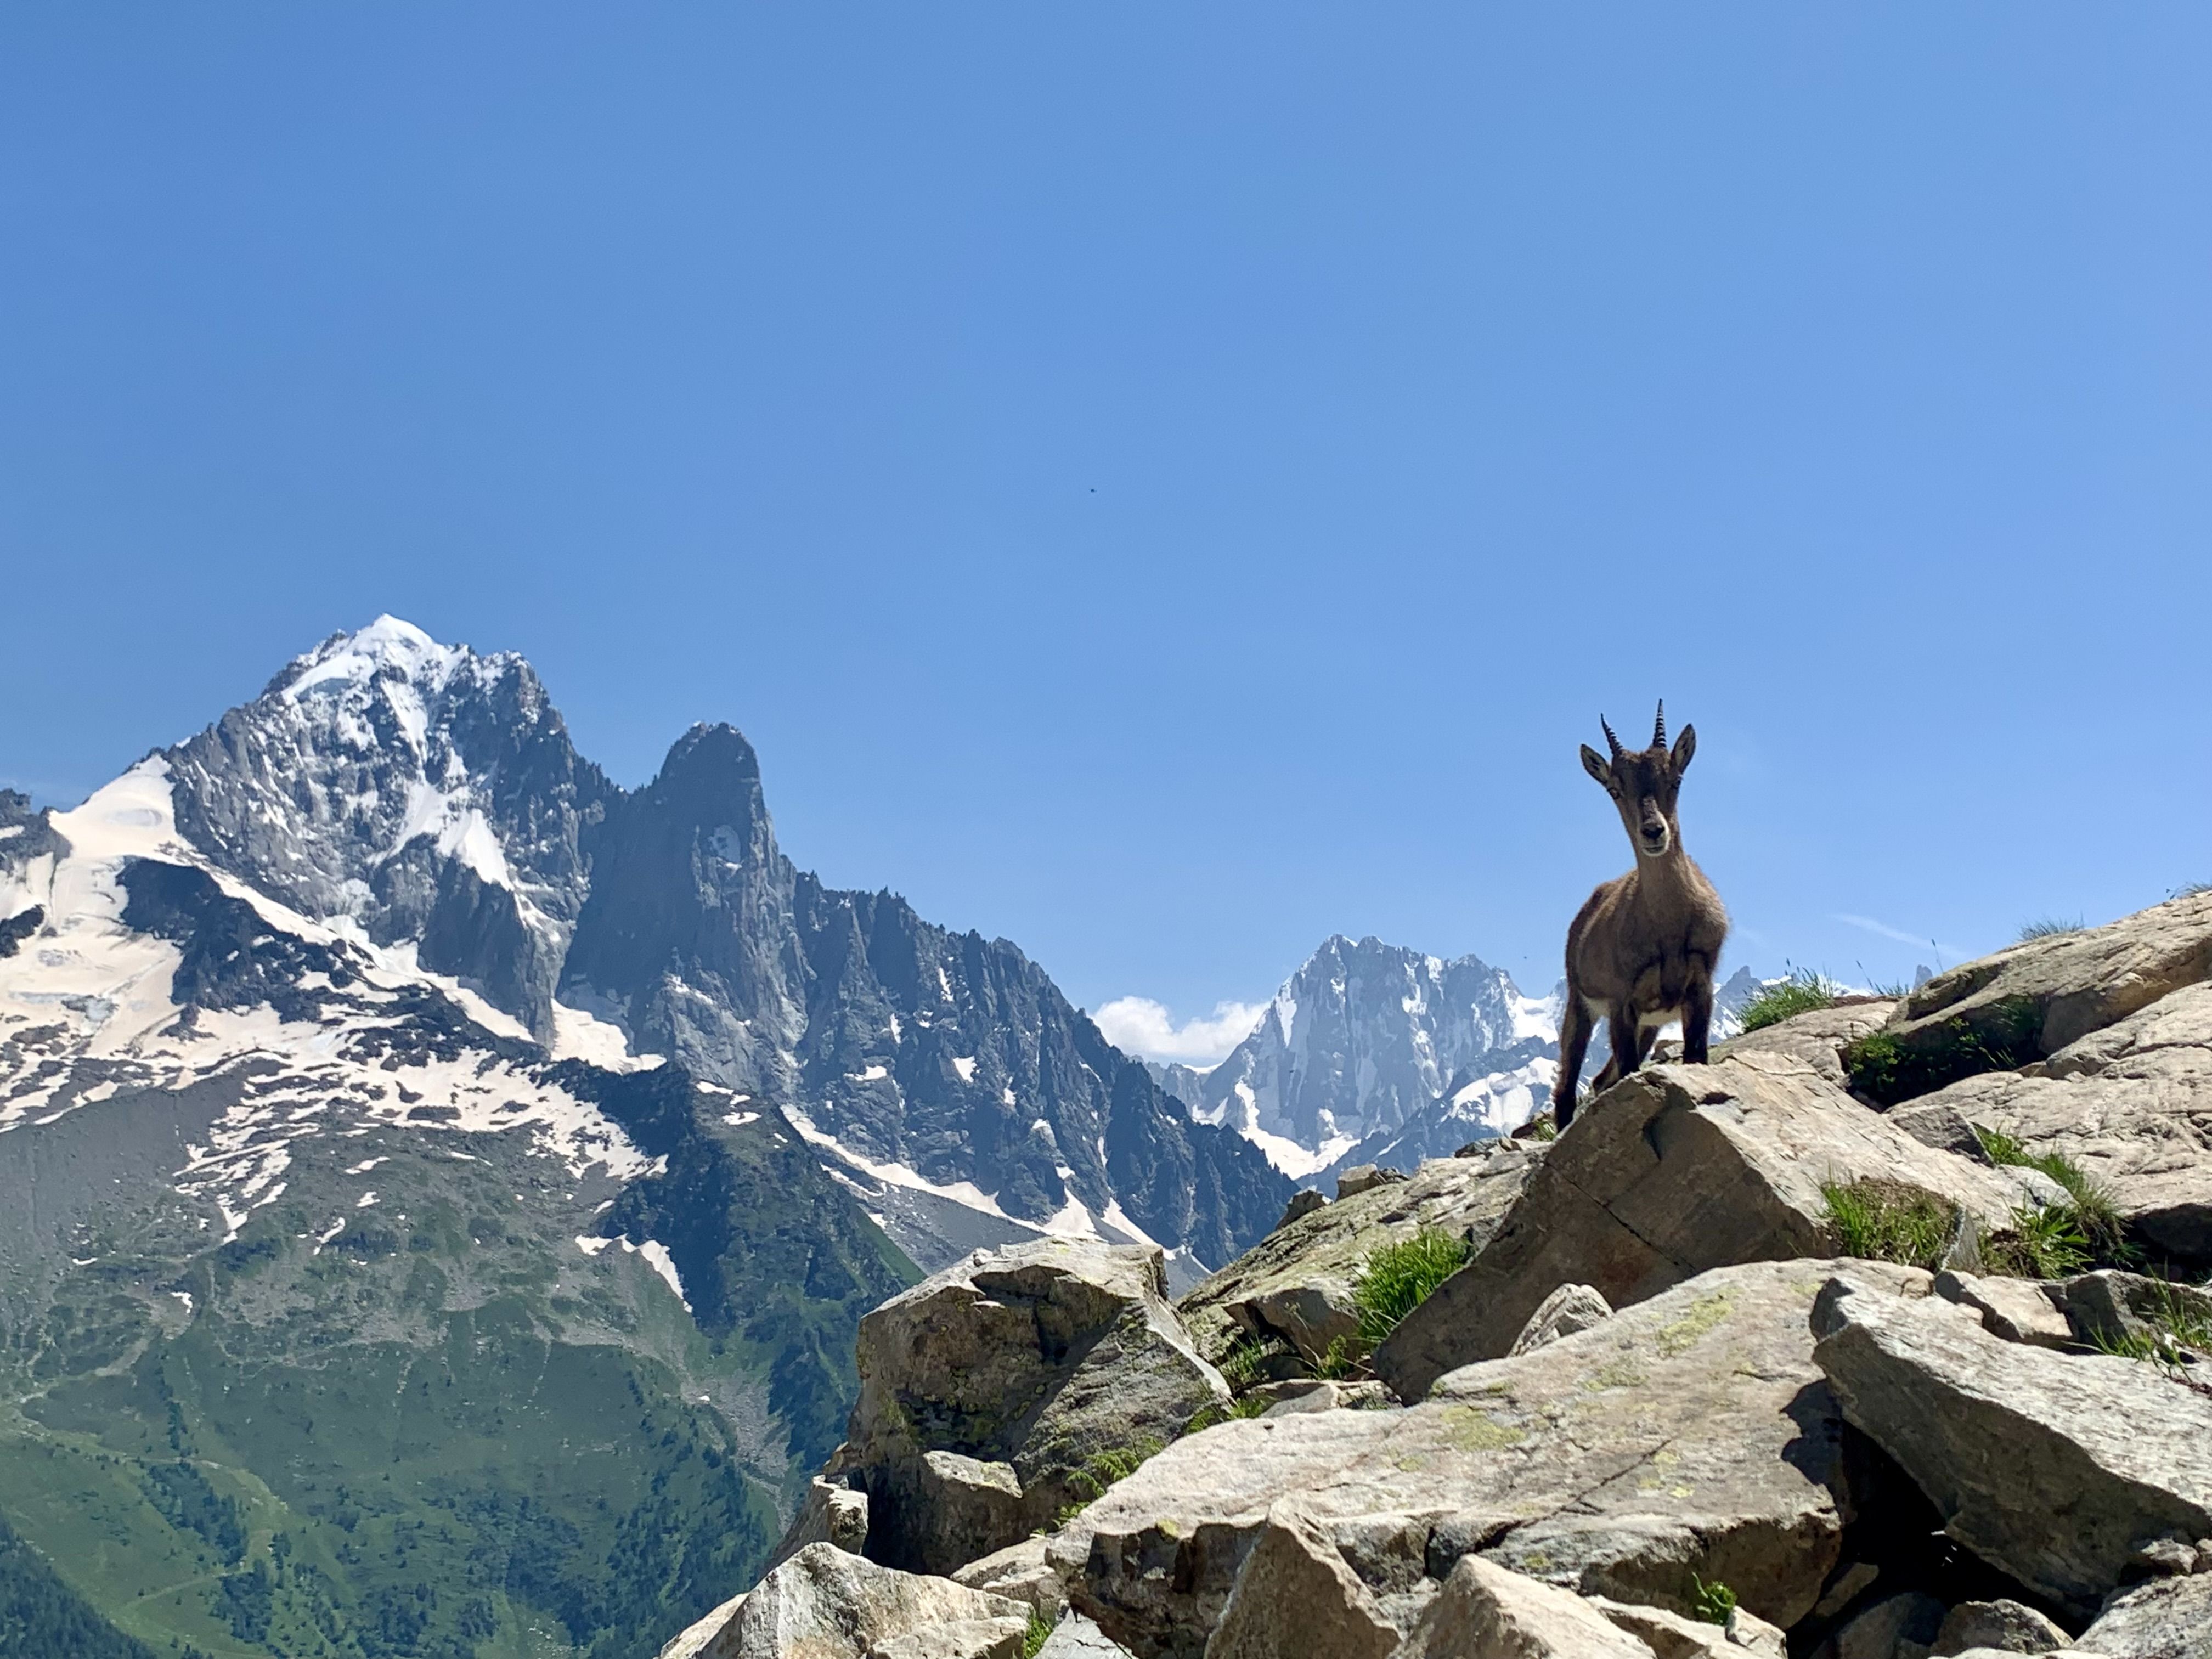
1610,738
1659,731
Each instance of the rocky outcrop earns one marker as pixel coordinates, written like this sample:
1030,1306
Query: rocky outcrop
1295,1594
2004,1625
1484,1610
1005,1389
2166,1618
2130,1104
1654,1415
824,1603
1295,1287
2022,1005
1672,1171
1689,1436
2056,1468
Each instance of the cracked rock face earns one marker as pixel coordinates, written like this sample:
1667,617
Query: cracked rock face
2056,1468
1676,1169
2130,1104
1690,1434
995,1394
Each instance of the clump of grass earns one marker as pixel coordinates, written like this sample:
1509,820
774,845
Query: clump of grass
1344,1356
1102,1470
1246,1361
2047,927
2191,890
1890,1221
2179,1331
1398,1277
2003,1037
1713,1602
2041,1244
1799,992
1038,1633
2088,1215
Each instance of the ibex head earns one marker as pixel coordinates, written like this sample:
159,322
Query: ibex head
1643,783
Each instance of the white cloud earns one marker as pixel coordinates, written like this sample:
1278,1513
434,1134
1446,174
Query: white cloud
1139,1025
1898,933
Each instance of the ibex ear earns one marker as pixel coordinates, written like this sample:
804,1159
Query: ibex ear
1684,746
1594,764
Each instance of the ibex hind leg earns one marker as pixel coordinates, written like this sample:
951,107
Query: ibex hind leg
1575,1025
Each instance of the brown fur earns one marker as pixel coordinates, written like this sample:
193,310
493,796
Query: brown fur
1643,949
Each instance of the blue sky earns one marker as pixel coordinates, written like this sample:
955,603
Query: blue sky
1167,484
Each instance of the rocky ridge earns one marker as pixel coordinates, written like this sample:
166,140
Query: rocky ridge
1765,1356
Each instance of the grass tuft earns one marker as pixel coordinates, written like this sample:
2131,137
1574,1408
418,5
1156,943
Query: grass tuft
1038,1633
2041,1244
2005,1035
2047,927
1245,1363
2191,890
1890,1221
1800,991
2088,1217
1399,1277
1713,1602
2178,1334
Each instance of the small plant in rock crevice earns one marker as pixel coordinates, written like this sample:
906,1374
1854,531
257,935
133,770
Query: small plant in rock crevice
2179,1333
2088,1213
1712,1602
1799,992
2041,1244
1038,1633
1244,1364
1889,1069
2046,927
1890,1221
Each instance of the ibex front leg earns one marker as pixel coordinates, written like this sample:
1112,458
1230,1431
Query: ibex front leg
1697,1016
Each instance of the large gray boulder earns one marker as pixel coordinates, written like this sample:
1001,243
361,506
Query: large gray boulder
2007,1625
2056,1468
825,1603
1673,1170
1689,1436
2129,1104
2029,1002
2166,1618
1295,1285
994,1395
1485,1612
1294,1594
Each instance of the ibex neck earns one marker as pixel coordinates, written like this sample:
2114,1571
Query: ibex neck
1666,873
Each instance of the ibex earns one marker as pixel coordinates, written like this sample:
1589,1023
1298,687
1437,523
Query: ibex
1642,951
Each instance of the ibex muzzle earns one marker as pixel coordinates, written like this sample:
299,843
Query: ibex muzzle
1642,951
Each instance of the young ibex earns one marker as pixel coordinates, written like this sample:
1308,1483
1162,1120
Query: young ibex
1642,951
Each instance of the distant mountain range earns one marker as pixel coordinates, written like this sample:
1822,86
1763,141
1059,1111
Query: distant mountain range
438,1186
1375,1054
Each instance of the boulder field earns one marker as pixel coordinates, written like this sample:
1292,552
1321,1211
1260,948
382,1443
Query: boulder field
1880,1337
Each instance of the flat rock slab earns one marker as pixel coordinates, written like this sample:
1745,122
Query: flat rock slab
1672,1171
2131,1105
1296,1283
1690,1435
2039,997
2056,1468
